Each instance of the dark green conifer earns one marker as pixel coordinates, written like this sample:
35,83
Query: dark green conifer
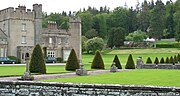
130,63
156,61
167,60
72,63
162,61
37,62
149,61
97,61
117,62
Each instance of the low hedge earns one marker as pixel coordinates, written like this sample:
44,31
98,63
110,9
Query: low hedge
172,45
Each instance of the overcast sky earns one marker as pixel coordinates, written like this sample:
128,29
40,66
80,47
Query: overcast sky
68,5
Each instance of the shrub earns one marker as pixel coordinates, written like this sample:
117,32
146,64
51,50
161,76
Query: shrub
59,60
97,61
171,60
175,59
37,62
167,60
72,63
117,62
130,63
18,61
178,57
156,61
162,60
149,61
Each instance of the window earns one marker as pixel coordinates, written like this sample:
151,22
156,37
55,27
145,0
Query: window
50,40
50,54
23,39
23,27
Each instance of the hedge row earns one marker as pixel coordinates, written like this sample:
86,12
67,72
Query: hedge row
172,45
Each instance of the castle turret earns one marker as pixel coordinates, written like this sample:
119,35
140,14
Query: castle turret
75,40
37,8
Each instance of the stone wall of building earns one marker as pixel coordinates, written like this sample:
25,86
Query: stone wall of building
25,88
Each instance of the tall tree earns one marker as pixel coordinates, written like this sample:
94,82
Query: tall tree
144,16
116,37
86,21
157,23
169,20
177,20
132,20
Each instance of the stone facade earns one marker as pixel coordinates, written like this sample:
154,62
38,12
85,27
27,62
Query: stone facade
23,30
25,88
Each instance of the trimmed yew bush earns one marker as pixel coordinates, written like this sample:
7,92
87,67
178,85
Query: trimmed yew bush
72,63
162,61
171,60
37,62
97,61
149,61
156,61
167,60
178,56
117,62
175,59
130,63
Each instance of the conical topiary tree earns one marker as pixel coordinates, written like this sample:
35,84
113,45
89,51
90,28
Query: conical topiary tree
72,63
167,60
162,61
171,60
149,61
156,61
37,62
97,61
175,59
130,63
178,56
117,62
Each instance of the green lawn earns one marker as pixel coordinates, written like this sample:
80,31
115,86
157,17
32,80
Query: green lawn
131,77
19,70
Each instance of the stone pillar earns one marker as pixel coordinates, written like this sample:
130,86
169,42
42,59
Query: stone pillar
81,71
139,63
113,67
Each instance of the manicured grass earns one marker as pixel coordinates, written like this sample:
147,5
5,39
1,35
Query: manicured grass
123,55
131,77
19,70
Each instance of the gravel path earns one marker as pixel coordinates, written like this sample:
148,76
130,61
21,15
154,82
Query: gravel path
64,75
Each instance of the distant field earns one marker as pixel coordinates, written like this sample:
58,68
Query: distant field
123,55
131,77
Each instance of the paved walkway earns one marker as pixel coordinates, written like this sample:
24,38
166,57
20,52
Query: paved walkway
64,75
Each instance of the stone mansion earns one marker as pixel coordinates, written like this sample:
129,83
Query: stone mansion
21,29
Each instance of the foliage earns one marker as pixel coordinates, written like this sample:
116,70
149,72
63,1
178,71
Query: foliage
83,42
175,59
162,61
157,22
117,62
59,60
91,33
171,60
95,44
130,63
149,61
156,61
18,61
114,38
167,60
177,20
178,57
136,36
37,62
72,63
98,62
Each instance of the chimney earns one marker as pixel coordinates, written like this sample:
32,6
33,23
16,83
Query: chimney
52,25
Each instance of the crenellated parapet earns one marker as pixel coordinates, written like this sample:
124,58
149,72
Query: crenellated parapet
16,13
